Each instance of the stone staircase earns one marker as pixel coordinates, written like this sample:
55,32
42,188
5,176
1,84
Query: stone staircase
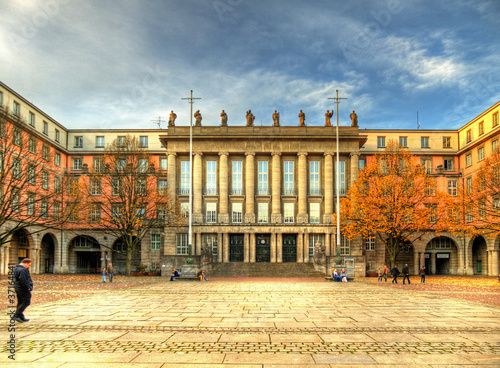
240,269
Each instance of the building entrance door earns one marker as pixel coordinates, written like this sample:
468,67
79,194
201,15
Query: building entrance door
236,248
289,248
263,248
88,262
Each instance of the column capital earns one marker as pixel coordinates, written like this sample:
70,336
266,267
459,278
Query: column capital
223,153
198,153
329,153
354,154
249,153
170,153
275,153
301,153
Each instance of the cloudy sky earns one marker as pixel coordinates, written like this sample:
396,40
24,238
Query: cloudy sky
122,64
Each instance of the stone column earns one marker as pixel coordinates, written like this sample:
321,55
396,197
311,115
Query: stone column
223,189
494,263
4,266
276,217
302,216
416,259
171,175
198,244
250,188
103,259
246,247
327,244
354,167
273,248
279,247
433,263
306,248
197,188
220,247
252,247
422,260
225,248
300,248
328,216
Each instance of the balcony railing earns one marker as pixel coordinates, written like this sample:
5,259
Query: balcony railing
182,191
211,191
315,192
289,191
263,192
211,218
236,191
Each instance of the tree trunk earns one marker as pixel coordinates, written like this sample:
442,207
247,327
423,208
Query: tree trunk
128,262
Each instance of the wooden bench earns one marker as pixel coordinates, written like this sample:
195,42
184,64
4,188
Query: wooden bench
349,278
187,278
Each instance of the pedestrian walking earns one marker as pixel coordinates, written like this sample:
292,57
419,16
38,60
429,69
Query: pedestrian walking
422,274
104,275
386,271
406,274
111,272
380,275
395,273
23,286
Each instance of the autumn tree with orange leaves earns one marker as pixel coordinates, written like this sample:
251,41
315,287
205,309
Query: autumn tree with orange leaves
393,199
124,195
476,209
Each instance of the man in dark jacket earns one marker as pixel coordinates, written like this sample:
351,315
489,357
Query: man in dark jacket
395,273
23,286
406,274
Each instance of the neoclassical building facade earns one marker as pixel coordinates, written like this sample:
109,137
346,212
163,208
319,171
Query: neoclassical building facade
261,194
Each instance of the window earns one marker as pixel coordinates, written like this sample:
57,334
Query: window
116,186
495,119
480,154
185,178
121,164
468,136
211,216
16,199
288,212
161,211
46,153
237,216
44,209
468,215
314,178
211,188
383,166
155,241
162,187
73,186
494,145
237,178
316,241
314,214
16,109
262,184
77,163
446,142
468,159
361,164
441,243
163,163
30,207
468,184
262,212
210,241
17,137
185,209
143,141
452,187
120,141
481,127
381,142
99,142
403,141
31,119
95,186
32,142
427,165
57,159
140,186
432,211
57,184
345,246
288,179
95,212
45,180
32,174
78,142
16,168
448,164
58,136
424,142
45,128
142,165
182,244
369,243
99,164
430,187
341,176
56,210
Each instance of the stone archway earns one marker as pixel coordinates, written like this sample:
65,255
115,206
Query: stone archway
119,257
479,256
84,255
441,256
47,255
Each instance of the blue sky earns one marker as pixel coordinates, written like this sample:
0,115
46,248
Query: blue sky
121,64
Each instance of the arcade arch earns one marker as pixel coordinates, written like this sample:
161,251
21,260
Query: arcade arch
441,256
84,255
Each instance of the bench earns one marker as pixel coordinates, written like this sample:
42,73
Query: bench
187,278
349,278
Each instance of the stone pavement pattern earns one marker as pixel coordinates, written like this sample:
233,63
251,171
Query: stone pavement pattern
256,323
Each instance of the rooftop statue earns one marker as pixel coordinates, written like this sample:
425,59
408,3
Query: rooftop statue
198,118
328,116
354,119
171,119
223,119
276,118
302,118
250,118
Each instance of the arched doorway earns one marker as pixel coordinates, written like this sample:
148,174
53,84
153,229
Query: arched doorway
84,255
20,247
119,256
479,256
47,254
441,256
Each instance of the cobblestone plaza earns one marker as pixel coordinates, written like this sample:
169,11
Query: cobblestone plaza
258,323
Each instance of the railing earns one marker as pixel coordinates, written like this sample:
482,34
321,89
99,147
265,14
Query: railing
237,191
182,191
210,191
263,219
289,191
263,192
315,192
